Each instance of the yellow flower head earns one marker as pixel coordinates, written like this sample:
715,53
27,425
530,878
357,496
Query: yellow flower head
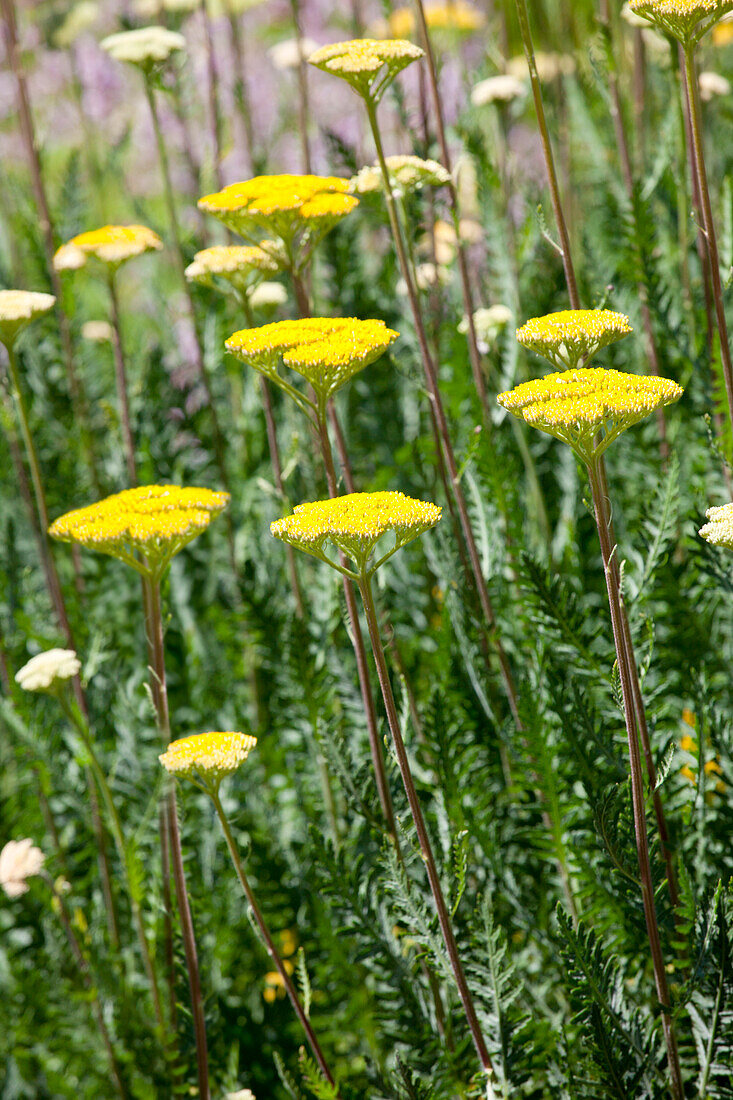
242,266
577,405
406,174
685,20
207,756
144,527
719,529
573,336
355,523
298,210
369,65
112,245
326,351
18,308
455,18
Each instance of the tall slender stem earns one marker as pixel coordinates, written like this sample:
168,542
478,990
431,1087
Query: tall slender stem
303,105
637,780
269,943
444,441
693,95
121,380
213,98
562,229
365,588
154,626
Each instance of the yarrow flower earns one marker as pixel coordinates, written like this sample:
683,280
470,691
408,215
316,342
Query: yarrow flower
355,523
144,527
19,860
18,308
406,174
240,265
111,245
299,210
571,336
268,296
576,405
47,670
456,16
369,65
718,531
147,48
326,351
498,89
686,20
207,757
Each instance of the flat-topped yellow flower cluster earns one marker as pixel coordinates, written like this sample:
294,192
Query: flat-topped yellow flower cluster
326,351
210,755
152,523
232,259
369,65
356,522
112,244
686,20
572,335
576,405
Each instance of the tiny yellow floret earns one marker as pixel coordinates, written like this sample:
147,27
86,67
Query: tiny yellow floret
686,20
208,755
576,405
112,245
572,336
369,65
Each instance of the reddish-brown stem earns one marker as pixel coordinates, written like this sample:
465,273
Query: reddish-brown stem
213,100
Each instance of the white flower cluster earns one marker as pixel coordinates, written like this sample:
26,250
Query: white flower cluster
47,669
19,860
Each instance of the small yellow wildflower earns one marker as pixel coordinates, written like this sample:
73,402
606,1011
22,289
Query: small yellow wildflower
18,308
369,65
689,717
275,983
112,245
243,266
144,527
688,773
685,20
288,941
576,405
719,530
355,523
299,210
455,17
723,32
207,756
713,768
688,744
572,336
326,351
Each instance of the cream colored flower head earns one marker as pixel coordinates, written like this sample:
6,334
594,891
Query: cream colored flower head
144,527
589,408
46,671
712,85
19,860
498,89
369,65
406,174
355,523
718,531
241,1094
325,351
97,332
686,20
573,336
18,308
111,245
289,53
242,266
207,757
488,322
147,48
268,296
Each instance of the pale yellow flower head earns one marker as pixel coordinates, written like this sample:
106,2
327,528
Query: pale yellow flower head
48,670
298,210
18,308
147,48
369,65
406,174
325,351
111,245
456,18
498,89
718,531
19,860
573,336
242,266
144,527
268,296
685,20
577,406
355,523
289,53
207,757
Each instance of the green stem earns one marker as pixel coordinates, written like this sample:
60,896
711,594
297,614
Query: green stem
121,380
154,627
637,779
365,587
269,944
